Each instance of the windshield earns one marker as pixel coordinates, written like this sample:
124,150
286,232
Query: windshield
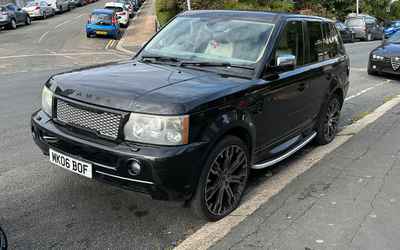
234,41
99,18
354,22
395,24
395,38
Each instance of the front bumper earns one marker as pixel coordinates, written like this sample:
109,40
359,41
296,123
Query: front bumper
168,173
4,23
382,67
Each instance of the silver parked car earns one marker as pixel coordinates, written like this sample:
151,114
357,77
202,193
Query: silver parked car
39,9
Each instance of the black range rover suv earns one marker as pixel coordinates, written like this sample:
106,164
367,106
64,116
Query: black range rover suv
213,95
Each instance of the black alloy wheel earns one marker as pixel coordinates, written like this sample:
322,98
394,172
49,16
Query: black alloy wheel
3,240
329,120
223,180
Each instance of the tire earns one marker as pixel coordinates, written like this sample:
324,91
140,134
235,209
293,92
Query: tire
88,35
12,25
369,37
28,20
229,179
44,15
328,121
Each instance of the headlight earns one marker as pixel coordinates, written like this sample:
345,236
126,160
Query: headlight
47,101
160,130
378,58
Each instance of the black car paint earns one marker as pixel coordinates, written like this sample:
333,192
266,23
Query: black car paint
388,51
218,104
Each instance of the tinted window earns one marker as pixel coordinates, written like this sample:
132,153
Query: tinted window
331,41
354,22
316,47
11,7
292,42
100,18
339,41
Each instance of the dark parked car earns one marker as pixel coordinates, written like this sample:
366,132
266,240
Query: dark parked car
213,95
366,28
11,16
346,33
386,57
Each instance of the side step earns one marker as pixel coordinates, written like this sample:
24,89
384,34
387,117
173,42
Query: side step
283,157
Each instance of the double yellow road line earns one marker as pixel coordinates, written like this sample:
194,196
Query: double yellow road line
111,44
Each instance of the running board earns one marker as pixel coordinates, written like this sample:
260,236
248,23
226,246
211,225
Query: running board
283,157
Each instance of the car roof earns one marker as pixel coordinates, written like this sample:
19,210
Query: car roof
103,11
261,15
114,4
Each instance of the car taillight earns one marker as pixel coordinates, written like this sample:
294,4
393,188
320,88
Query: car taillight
114,20
37,8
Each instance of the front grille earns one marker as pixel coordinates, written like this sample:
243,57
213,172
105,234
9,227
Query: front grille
100,122
395,61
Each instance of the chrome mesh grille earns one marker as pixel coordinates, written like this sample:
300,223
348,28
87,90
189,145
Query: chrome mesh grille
101,122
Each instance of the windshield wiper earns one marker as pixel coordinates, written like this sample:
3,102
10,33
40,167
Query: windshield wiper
150,58
213,64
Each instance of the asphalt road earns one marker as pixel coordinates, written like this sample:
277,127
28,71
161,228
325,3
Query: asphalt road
42,206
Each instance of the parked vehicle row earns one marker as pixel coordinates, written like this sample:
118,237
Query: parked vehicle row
11,15
109,20
365,27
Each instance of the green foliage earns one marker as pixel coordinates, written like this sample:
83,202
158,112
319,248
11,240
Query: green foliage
395,10
337,9
165,10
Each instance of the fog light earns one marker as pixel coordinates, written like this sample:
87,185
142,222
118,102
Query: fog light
374,66
134,168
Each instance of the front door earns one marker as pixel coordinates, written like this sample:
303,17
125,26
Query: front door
286,99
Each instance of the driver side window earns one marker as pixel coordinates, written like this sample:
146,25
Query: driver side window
291,42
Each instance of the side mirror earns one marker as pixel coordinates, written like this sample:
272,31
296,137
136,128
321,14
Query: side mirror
286,62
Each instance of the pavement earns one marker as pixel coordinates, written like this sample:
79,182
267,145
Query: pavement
145,26
349,200
42,206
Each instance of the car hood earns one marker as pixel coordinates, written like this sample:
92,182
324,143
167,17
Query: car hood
388,50
145,88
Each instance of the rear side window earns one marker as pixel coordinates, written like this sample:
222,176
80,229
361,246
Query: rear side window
316,46
331,41
292,42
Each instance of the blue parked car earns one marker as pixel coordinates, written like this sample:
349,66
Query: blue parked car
103,22
393,28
